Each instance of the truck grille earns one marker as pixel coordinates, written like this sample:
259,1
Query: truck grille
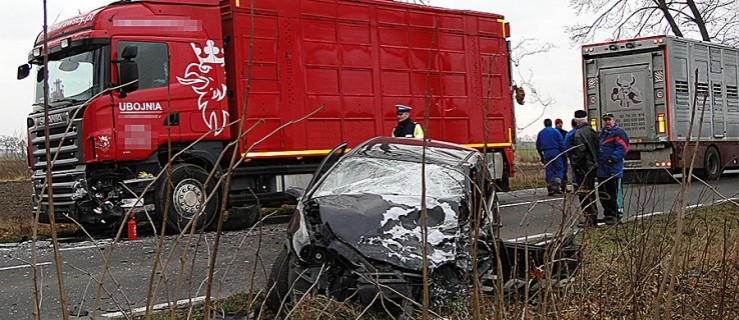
69,153
66,169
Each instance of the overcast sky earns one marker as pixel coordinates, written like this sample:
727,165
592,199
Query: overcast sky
556,73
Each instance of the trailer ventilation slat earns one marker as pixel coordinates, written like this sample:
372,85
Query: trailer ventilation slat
682,88
702,89
717,90
732,92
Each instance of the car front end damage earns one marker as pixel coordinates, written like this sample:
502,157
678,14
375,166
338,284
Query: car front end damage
378,253
370,225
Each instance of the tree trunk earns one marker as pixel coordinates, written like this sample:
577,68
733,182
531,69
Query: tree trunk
662,5
698,19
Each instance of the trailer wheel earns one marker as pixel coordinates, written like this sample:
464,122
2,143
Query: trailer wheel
712,164
186,197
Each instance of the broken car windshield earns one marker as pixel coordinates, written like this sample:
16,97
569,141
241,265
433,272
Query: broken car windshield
359,175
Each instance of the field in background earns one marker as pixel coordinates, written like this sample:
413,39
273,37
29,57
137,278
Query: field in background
14,169
15,200
529,170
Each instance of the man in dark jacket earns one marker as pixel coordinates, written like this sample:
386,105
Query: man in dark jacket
584,157
614,145
406,127
568,145
549,144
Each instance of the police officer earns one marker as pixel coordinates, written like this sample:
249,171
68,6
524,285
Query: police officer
614,145
549,144
406,127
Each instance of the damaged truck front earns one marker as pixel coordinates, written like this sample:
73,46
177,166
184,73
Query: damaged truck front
358,230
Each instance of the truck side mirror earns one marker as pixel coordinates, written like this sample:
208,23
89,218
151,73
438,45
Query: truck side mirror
23,71
128,70
40,74
130,52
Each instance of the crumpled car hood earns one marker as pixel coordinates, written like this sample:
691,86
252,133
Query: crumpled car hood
387,227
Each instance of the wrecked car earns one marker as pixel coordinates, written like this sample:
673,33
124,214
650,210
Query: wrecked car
357,230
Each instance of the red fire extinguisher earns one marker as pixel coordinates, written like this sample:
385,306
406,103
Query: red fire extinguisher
131,228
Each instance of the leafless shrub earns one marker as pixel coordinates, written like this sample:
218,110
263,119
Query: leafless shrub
13,161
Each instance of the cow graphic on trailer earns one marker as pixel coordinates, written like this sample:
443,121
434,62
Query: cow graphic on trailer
626,94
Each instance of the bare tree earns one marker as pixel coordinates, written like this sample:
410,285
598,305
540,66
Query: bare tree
709,20
525,78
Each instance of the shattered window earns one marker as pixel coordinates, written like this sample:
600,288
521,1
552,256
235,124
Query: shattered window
385,176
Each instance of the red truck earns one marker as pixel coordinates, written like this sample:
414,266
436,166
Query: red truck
199,62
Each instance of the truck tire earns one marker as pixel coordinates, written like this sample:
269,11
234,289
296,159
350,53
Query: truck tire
240,218
711,164
278,283
186,196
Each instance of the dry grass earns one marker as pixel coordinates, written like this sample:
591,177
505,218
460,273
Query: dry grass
528,177
529,170
527,157
621,270
15,229
14,169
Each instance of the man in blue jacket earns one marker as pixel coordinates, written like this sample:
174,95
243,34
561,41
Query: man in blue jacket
565,161
549,144
614,145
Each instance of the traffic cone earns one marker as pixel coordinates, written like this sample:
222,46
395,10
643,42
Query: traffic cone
131,228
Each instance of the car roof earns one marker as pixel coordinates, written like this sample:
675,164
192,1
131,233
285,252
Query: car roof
410,149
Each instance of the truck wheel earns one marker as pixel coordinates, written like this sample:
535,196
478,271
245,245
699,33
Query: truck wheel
712,164
186,198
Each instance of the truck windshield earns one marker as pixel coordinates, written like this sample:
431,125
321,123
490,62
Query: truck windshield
72,78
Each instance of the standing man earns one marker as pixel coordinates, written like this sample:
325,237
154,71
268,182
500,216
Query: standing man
549,144
565,163
614,145
406,127
584,157
568,145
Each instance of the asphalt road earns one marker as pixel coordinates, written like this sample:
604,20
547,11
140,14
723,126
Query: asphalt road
526,213
531,213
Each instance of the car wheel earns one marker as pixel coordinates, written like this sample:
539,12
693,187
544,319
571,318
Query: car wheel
186,196
711,164
278,283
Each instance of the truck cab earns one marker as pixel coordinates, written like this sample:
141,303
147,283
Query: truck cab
110,128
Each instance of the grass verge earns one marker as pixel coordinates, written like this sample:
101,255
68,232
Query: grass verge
622,270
